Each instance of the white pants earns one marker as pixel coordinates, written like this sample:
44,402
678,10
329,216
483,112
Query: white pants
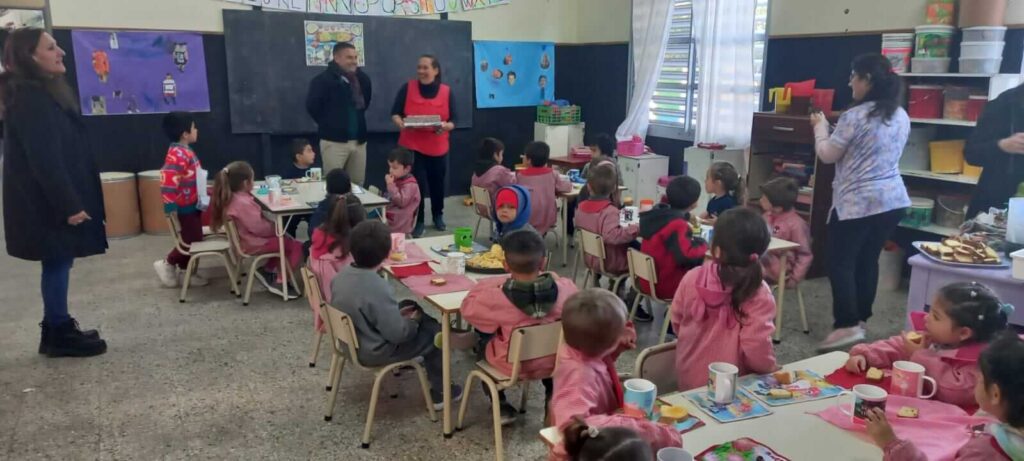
350,156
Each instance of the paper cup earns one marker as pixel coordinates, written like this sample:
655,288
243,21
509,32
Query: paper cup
674,454
722,382
640,395
865,397
397,242
908,379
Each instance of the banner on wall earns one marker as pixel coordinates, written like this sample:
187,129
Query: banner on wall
513,74
140,72
374,7
321,36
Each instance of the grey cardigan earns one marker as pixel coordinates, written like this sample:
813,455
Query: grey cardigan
370,301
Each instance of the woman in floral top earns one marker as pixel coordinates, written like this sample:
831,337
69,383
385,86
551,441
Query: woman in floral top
868,194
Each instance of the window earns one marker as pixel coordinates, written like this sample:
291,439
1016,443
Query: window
673,108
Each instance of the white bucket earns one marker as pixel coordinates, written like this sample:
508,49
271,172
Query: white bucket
890,269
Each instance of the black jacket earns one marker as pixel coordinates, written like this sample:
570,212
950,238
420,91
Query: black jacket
1003,171
329,100
49,175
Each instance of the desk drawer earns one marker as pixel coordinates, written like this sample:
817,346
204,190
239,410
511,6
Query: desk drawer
783,128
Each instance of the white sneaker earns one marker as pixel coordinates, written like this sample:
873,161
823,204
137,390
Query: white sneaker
167,273
196,280
841,338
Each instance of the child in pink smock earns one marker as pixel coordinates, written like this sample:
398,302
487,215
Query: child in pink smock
600,214
544,185
403,191
329,251
778,197
488,172
723,311
963,318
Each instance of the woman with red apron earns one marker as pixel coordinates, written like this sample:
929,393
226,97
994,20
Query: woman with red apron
427,96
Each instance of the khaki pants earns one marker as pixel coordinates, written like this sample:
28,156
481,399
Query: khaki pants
350,156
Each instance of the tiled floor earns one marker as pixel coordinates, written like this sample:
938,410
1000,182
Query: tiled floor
211,379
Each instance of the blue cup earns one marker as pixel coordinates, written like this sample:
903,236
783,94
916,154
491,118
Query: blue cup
639,395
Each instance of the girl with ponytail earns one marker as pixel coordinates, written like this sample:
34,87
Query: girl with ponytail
233,200
329,251
590,443
868,194
723,311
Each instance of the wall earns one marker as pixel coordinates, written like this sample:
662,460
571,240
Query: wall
799,17
194,15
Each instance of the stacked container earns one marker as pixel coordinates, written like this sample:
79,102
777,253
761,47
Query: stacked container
981,51
898,48
932,48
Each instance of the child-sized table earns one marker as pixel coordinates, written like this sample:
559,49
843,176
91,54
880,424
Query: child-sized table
928,276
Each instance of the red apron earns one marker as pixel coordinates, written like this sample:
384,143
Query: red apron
426,141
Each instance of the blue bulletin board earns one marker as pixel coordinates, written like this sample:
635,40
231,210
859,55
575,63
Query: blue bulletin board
513,74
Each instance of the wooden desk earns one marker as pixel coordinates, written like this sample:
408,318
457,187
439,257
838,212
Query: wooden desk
568,162
790,430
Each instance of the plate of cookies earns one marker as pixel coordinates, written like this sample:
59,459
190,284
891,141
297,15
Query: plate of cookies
963,252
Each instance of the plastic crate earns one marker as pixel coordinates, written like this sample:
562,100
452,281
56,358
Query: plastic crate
555,115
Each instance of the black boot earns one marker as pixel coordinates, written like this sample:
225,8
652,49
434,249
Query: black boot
66,340
89,334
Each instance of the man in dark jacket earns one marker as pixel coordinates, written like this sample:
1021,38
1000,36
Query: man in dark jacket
337,101
997,145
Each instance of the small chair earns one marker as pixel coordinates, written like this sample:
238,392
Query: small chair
641,267
345,347
481,199
593,245
313,295
254,261
657,364
527,343
196,251
778,315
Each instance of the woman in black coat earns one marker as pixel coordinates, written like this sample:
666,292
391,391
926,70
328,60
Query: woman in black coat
53,203
997,145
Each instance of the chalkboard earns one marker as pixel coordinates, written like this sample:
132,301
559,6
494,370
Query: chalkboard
268,77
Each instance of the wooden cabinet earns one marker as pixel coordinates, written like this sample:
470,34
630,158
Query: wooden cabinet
789,139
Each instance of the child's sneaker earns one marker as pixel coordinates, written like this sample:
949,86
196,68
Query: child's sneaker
438,397
269,281
167,273
508,413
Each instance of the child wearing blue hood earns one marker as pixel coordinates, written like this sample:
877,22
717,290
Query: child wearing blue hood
511,211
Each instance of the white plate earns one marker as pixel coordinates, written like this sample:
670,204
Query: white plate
1003,263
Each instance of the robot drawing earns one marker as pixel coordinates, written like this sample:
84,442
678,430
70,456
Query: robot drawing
101,64
170,90
180,54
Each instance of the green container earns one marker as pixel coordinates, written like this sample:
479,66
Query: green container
933,41
555,115
920,212
463,237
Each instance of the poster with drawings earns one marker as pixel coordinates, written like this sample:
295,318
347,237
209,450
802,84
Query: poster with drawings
121,72
321,36
514,74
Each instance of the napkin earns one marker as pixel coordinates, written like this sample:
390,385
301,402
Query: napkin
421,286
402,272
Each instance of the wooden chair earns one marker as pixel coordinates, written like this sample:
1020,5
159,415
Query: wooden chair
254,262
481,198
641,267
198,250
657,364
778,318
592,244
345,346
313,295
528,343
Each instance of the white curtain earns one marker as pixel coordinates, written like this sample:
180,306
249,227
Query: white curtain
724,35
651,20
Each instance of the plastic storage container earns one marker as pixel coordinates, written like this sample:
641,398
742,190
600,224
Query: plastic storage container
954,104
975,106
1018,264
950,210
915,153
986,50
984,34
940,12
933,41
947,156
925,101
929,65
974,13
980,66
898,48
920,212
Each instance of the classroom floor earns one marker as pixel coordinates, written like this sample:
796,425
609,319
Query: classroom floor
212,379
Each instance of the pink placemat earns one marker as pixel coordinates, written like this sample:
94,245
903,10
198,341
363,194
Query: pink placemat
413,255
421,286
939,430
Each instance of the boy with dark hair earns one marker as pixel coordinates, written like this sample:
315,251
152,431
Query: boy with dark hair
669,238
387,333
180,193
544,185
497,306
778,197
302,158
403,191
338,184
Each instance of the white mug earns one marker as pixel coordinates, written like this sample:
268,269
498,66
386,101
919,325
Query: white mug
674,454
315,174
273,181
722,382
908,379
865,397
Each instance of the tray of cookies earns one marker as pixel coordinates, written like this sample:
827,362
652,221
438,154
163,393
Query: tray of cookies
961,251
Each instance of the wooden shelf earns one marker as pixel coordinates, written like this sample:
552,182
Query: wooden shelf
943,121
957,178
946,75
934,229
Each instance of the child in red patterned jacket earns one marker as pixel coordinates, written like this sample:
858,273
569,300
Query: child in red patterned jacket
180,194
668,237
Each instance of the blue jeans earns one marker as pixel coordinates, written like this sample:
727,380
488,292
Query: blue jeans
56,273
